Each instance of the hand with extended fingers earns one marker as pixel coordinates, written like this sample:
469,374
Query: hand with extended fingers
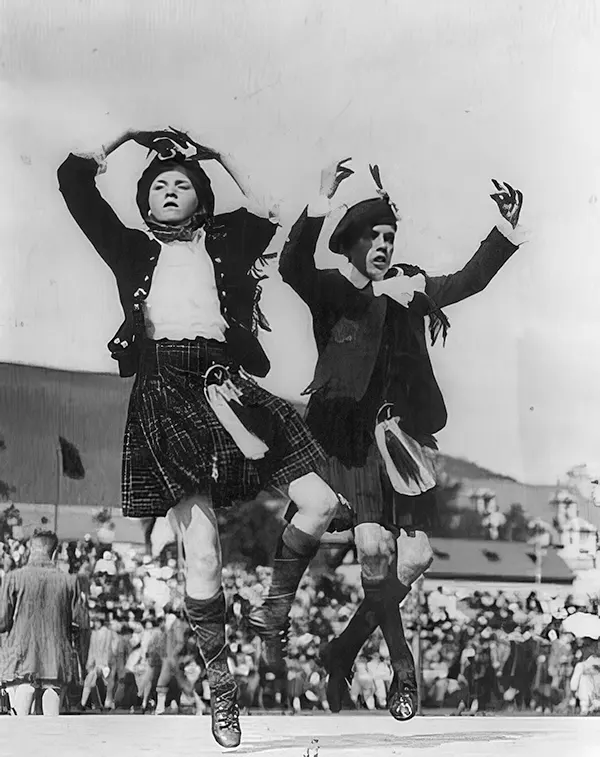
333,176
508,200
170,142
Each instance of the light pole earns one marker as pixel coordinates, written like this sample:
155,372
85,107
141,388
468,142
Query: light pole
417,642
540,540
538,562
58,486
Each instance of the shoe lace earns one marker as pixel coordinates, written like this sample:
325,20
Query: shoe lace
403,688
403,693
226,710
408,686
256,619
280,635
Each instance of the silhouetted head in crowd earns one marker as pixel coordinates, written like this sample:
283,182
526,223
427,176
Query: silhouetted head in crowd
43,544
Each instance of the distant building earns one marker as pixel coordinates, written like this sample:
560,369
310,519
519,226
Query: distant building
577,537
555,518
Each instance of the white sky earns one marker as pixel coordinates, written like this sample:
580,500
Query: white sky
443,95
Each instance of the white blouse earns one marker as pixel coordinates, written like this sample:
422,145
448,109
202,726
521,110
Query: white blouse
183,302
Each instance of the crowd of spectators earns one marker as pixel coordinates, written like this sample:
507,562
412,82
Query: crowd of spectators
490,650
480,650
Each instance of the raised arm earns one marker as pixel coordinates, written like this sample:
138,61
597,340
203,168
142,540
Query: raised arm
257,222
495,250
492,254
263,206
91,212
297,261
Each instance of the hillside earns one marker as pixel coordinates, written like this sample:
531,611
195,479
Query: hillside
459,469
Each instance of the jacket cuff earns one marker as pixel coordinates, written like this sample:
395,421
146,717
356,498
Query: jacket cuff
516,236
264,208
98,155
319,206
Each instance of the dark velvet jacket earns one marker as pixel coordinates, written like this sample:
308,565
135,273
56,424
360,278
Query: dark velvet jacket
234,241
353,329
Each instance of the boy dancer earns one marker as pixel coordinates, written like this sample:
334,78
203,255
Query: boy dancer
375,403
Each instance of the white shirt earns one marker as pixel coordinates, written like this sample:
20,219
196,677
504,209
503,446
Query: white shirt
183,302
400,288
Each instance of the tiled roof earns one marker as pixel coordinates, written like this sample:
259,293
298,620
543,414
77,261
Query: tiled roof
494,560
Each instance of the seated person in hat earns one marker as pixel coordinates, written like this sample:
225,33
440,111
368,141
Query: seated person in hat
99,655
374,401
201,434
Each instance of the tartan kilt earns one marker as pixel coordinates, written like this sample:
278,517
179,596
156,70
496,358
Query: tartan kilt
175,446
372,497
355,468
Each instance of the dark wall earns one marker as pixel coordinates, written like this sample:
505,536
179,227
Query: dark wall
36,406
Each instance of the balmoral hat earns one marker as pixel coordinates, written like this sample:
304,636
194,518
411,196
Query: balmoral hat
373,212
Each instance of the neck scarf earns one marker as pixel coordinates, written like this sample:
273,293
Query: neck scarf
405,284
187,231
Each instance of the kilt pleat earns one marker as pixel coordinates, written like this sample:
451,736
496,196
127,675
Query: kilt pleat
175,446
372,497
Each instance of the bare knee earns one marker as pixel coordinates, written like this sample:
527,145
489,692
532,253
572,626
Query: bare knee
415,555
373,544
203,565
373,568
195,522
313,496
